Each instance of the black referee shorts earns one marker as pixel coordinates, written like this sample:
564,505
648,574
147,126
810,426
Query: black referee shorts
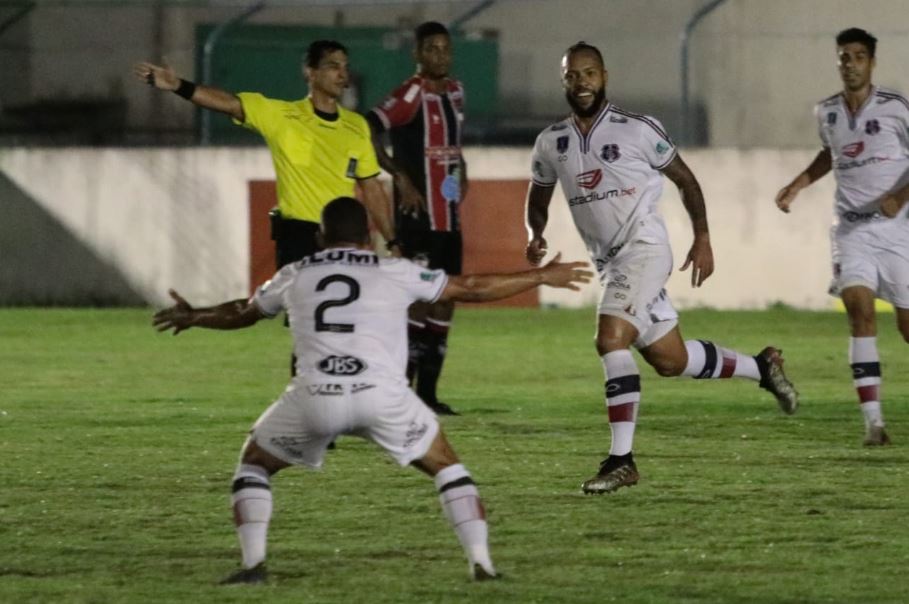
433,249
294,239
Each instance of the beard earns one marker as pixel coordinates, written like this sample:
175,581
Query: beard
598,98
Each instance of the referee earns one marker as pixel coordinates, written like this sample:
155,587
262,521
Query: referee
320,150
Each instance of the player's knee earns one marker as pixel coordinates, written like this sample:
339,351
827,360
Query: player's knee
608,343
669,367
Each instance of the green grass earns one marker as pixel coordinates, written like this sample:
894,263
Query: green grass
117,447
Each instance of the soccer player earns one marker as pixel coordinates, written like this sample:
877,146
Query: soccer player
610,163
320,150
348,313
423,117
864,131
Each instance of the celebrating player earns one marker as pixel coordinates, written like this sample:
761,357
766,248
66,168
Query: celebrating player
610,164
864,131
424,118
348,313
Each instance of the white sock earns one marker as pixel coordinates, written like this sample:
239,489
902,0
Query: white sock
706,360
623,395
461,503
252,505
866,377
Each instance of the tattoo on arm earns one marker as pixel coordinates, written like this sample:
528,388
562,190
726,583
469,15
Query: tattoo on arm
690,191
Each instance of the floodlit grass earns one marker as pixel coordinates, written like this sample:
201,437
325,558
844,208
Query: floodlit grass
118,445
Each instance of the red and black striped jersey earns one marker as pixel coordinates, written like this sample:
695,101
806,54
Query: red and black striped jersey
425,131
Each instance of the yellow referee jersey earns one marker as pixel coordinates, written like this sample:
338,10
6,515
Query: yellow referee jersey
316,160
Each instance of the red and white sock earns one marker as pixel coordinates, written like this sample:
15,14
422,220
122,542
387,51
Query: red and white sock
866,377
252,506
623,394
708,361
461,503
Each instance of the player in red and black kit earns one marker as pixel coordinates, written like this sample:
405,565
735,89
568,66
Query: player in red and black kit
423,117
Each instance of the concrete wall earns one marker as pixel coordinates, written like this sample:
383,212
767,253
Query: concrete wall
757,65
179,218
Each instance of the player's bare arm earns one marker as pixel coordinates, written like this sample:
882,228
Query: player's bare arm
378,206
892,203
484,288
410,197
700,256
465,184
229,315
819,166
538,199
208,97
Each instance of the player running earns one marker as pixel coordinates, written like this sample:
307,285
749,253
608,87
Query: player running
864,131
610,163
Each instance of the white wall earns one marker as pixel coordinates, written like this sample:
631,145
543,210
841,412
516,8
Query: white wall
179,218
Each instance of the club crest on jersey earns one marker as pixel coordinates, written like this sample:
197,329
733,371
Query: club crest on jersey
854,149
562,144
610,153
831,118
590,179
872,127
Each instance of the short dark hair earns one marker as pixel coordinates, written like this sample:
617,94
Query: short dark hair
430,28
855,34
344,219
318,49
584,46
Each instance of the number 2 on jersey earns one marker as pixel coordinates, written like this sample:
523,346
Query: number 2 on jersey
352,294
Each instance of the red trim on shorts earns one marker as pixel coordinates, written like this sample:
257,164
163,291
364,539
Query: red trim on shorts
621,413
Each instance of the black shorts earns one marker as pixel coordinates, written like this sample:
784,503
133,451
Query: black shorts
294,239
433,249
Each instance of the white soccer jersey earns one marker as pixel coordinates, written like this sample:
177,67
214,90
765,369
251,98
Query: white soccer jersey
870,152
610,177
348,311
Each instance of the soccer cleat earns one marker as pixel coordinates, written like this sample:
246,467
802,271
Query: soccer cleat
614,474
774,381
441,408
481,574
876,436
248,576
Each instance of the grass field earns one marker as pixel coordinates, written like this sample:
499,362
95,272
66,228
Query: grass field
118,445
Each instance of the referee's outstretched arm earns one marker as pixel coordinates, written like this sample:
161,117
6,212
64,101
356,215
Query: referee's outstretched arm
209,97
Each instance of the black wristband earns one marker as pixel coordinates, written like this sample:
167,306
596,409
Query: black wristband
392,243
186,89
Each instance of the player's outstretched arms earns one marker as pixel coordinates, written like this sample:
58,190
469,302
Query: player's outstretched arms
229,315
484,288
209,97
821,164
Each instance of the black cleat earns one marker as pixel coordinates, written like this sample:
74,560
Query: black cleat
774,381
481,574
441,408
248,576
615,473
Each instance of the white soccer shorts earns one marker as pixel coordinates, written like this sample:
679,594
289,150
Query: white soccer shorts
884,269
634,281
311,413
